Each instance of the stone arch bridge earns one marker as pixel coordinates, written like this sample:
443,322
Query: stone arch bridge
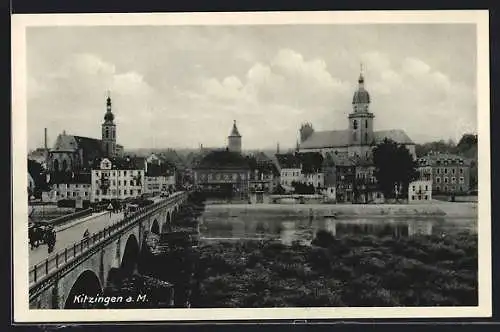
64,278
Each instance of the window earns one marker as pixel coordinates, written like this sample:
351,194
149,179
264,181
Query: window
355,124
445,188
453,171
412,198
119,191
438,188
445,180
124,173
426,197
453,180
124,182
131,191
74,193
114,182
86,193
426,188
413,188
461,180
438,180
119,182
437,170
461,171
445,171
97,192
131,182
125,191
138,191
366,123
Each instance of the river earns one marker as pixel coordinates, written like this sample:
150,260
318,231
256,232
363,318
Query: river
289,224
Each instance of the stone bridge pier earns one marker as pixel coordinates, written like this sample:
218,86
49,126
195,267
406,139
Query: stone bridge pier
79,282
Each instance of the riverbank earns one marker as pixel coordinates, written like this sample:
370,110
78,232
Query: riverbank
434,208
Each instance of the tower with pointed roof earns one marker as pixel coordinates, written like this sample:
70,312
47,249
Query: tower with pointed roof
361,135
234,139
109,131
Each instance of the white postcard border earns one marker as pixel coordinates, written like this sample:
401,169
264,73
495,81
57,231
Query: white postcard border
21,310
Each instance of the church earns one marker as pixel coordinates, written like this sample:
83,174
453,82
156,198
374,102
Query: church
76,154
359,139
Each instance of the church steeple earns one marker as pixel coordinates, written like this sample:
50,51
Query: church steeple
109,116
360,119
234,139
109,130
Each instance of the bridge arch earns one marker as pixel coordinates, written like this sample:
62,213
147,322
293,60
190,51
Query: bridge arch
155,227
88,284
130,256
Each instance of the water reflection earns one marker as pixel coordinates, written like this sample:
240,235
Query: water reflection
290,228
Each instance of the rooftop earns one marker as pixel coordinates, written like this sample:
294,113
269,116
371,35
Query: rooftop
223,159
340,138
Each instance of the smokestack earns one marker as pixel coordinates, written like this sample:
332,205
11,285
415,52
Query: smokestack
45,139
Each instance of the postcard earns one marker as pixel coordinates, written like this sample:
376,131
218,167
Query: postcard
251,166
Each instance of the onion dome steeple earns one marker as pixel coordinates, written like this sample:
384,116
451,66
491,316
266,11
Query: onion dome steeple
109,116
361,96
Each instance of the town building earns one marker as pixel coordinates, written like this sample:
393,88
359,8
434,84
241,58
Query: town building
70,187
359,138
420,191
117,179
264,178
160,175
450,173
224,173
290,167
329,190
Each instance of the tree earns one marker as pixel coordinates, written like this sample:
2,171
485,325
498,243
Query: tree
279,190
467,146
302,188
394,166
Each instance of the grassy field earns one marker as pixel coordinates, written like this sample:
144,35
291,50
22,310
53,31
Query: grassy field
347,271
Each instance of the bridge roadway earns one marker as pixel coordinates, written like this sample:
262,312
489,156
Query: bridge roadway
87,266
71,232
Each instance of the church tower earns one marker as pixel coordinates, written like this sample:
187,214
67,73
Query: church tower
360,121
234,140
109,131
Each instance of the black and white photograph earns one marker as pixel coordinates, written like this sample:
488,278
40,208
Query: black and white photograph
251,166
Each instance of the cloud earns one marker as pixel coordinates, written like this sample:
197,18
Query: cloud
73,97
182,86
408,95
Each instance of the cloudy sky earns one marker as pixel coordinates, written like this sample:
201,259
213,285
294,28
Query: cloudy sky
181,86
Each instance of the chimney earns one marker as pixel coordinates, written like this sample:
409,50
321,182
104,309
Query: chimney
45,139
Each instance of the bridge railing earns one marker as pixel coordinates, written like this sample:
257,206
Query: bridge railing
60,259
